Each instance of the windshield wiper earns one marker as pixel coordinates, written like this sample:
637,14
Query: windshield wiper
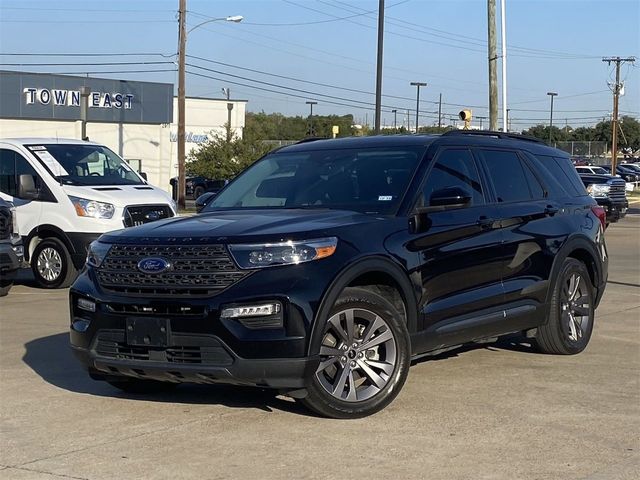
68,180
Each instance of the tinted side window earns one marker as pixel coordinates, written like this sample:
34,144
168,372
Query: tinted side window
562,172
8,172
454,168
507,175
537,191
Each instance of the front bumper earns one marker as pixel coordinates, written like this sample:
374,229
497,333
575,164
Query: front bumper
614,211
280,373
11,257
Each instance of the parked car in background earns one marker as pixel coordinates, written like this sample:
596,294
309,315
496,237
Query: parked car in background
609,192
325,267
631,177
11,251
67,193
591,169
196,186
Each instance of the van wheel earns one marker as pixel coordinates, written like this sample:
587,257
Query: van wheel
571,313
364,357
51,264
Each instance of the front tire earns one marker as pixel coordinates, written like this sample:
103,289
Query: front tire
364,357
571,313
52,265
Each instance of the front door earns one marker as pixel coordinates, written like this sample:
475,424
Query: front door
460,251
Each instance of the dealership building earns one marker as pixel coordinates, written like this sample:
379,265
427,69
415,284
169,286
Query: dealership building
137,120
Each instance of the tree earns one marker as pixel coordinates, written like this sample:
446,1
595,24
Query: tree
221,159
628,132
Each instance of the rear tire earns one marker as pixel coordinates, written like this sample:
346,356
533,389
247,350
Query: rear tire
571,312
197,191
364,357
52,265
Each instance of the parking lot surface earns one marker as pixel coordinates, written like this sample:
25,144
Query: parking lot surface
495,411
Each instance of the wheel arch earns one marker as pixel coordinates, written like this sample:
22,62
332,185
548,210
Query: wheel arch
377,271
582,249
42,232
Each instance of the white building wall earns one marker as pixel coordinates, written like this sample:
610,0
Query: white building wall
153,145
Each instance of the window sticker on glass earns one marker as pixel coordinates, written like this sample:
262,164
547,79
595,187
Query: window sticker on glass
52,164
385,198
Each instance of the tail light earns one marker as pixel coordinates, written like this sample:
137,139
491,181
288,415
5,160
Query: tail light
601,214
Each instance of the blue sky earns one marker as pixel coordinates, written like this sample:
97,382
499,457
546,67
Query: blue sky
286,44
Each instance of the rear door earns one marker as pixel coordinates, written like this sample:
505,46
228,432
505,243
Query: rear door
459,253
533,227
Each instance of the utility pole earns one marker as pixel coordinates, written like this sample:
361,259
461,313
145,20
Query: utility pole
503,20
418,85
440,112
614,120
551,94
395,120
311,104
508,119
181,184
379,66
227,92
408,121
493,66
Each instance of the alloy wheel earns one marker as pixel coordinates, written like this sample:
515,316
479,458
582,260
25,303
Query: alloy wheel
575,307
357,355
49,264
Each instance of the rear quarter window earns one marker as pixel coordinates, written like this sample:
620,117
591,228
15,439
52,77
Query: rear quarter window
564,175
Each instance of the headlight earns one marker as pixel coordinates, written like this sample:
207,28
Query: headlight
285,253
92,208
97,253
15,232
596,190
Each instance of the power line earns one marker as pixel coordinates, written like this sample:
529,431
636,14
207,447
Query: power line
129,54
85,64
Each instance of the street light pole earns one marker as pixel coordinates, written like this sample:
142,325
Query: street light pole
379,66
311,104
418,85
551,94
182,45
395,119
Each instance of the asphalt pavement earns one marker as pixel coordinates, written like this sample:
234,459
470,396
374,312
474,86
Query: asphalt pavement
497,411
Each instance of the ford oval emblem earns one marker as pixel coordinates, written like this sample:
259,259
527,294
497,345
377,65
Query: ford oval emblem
152,216
153,265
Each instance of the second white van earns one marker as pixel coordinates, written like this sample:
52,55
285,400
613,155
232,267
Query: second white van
67,193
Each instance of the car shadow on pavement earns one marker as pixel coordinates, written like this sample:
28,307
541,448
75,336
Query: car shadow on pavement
51,358
514,342
25,277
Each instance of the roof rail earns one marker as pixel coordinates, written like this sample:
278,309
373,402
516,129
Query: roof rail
491,133
309,139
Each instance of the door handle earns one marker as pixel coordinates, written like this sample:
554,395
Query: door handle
485,223
551,210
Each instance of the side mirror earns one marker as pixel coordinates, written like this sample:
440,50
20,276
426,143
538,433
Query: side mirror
144,175
203,200
450,197
27,187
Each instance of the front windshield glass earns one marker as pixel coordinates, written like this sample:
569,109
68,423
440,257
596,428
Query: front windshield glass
371,180
599,171
84,164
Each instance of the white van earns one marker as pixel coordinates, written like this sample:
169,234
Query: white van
67,193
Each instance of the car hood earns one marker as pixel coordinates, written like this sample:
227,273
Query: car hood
120,195
244,226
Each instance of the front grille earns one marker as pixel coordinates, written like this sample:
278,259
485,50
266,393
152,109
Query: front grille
6,224
195,270
135,215
617,191
184,349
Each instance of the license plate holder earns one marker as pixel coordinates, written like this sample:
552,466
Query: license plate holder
147,332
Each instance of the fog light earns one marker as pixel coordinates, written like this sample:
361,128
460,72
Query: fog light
88,305
244,311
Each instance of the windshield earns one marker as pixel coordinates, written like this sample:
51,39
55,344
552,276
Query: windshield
84,164
599,170
371,180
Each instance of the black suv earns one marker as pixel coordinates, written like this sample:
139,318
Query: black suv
327,266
